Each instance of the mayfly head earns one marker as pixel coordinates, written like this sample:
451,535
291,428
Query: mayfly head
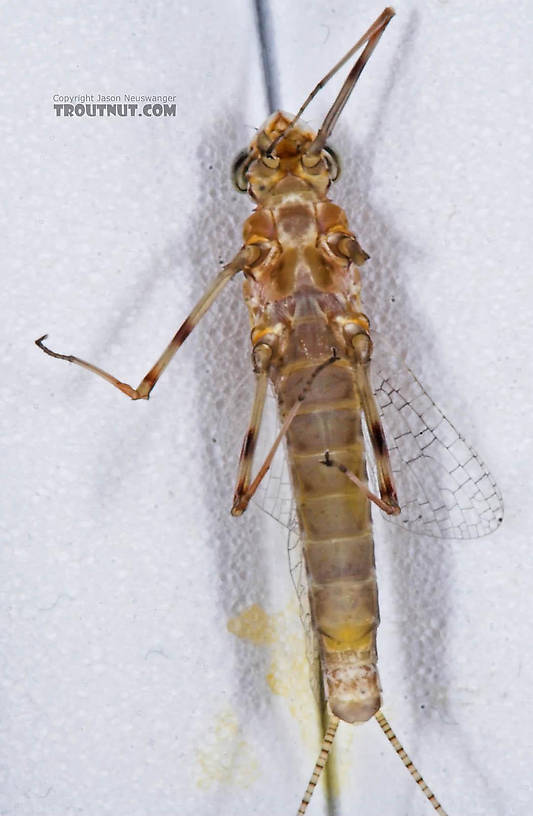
264,172
285,150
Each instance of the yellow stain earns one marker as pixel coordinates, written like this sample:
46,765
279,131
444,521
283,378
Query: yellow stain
289,676
289,672
253,624
225,758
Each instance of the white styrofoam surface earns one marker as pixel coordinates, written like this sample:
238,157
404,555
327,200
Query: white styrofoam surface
120,563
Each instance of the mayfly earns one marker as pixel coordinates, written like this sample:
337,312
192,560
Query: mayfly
312,341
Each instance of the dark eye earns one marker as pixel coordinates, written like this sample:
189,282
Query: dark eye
333,162
239,169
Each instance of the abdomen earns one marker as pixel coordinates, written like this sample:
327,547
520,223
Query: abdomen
334,518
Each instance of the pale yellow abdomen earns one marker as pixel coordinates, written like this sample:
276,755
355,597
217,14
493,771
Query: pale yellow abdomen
334,518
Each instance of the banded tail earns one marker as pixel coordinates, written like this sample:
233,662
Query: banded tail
320,764
325,749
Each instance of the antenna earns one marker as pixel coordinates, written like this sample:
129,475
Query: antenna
371,37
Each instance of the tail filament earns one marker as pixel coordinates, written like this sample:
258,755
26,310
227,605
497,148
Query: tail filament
325,748
398,747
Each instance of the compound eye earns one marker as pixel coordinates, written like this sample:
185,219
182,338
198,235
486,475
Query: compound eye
239,168
333,162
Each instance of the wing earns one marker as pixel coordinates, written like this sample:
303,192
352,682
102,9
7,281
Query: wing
273,497
444,488
299,581
274,494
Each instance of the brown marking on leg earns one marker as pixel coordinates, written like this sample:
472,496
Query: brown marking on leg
387,489
155,372
246,458
145,386
250,437
241,502
249,442
378,439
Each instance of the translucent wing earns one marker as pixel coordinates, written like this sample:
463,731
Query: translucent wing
444,488
299,581
274,494
273,497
